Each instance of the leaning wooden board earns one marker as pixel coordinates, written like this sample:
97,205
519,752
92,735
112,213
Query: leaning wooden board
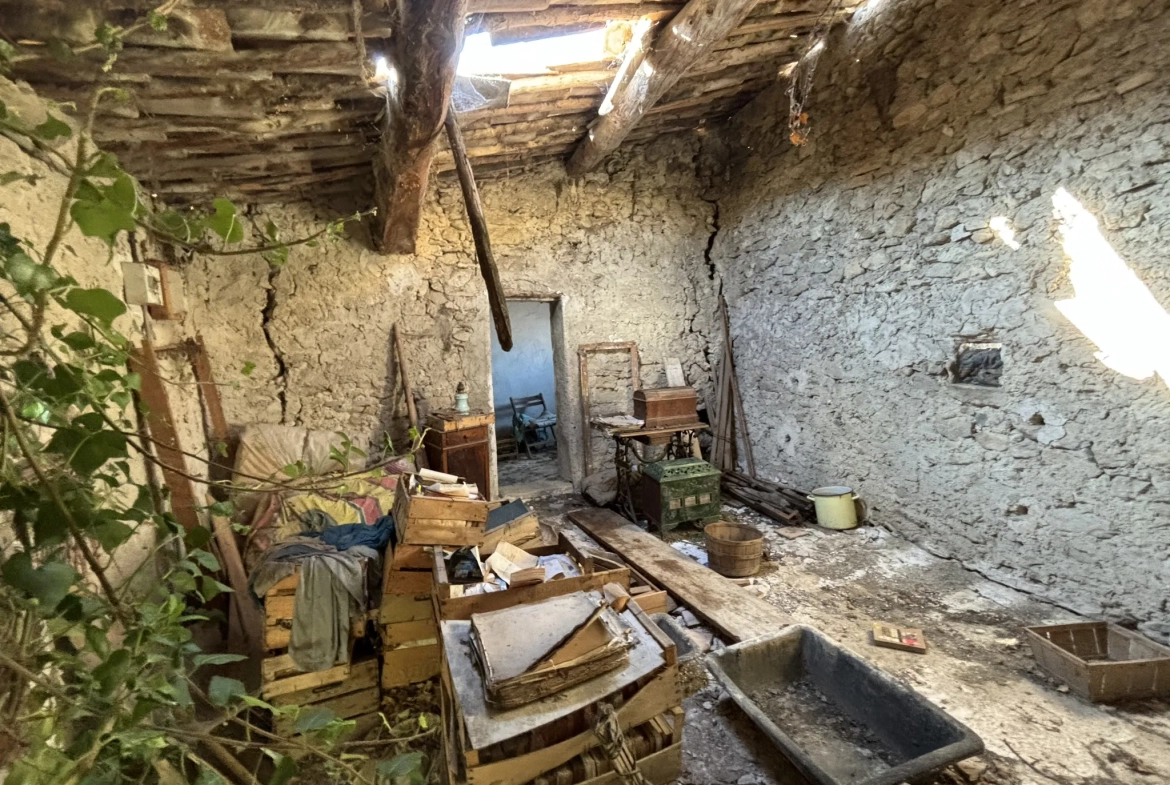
734,612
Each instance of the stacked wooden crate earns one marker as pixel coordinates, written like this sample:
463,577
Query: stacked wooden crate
410,638
563,748
349,689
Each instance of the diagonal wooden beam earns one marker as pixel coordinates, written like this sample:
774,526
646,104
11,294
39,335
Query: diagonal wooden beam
425,52
649,73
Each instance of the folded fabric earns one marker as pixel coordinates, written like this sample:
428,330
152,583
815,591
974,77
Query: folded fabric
349,535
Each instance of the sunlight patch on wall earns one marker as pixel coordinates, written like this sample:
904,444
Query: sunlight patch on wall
1112,307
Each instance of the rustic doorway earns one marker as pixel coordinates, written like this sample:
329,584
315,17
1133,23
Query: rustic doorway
529,394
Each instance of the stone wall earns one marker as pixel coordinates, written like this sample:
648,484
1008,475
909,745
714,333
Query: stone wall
857,264
624,249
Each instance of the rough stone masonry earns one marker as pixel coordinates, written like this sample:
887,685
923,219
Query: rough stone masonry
856,266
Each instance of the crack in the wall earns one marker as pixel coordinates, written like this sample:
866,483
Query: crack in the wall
711,238
266,324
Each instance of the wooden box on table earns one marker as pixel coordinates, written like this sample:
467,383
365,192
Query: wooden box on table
451,605
666,407
551,741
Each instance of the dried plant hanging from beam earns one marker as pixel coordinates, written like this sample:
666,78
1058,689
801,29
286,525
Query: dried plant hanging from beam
800,86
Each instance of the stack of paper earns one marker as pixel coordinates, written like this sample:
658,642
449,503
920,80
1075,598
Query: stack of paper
528,652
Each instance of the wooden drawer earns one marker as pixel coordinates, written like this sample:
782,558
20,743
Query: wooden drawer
451,439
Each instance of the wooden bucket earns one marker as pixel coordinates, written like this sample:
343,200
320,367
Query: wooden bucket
734,549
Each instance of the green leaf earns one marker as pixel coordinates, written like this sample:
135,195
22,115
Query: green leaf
102,218
78,341
181,691
407,766
123,193
52,128
222,690
249,366
111,534
183,582
158,21
284,770
197,538
48,583
85,451
97,641
213,588
206,560
218,659
133,381
224,222
105,165
113,671
60,50
313,718
222,509
98,303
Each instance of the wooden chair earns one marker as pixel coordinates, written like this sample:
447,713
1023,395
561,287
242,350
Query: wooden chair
526,426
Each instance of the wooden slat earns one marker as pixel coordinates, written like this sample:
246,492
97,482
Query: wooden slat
735,613
162,431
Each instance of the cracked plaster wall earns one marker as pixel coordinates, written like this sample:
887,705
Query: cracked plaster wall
856,264
624,249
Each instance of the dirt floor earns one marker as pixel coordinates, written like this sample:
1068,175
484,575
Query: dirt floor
978,667
522,477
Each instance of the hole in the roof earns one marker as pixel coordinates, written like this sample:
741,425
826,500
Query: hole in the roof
529,57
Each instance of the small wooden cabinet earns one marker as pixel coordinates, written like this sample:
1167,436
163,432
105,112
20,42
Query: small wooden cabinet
460,445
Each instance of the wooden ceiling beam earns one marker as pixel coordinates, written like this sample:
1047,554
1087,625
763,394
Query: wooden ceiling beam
682,42
425,53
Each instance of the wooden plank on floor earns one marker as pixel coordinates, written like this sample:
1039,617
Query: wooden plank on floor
737,614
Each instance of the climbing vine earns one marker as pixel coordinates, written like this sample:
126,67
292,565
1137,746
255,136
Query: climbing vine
101,678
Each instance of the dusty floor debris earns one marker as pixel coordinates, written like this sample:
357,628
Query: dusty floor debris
977,669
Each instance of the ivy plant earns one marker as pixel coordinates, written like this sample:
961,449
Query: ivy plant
101,678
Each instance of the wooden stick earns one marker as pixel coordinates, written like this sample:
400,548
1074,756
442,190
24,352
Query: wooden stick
479,231
736,397
404,370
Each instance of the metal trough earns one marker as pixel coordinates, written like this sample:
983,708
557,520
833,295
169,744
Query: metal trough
915,736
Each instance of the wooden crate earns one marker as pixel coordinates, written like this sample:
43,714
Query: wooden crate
361,676
346,706
425,520
592,579
280,676
410,664
651,710
279,607
1102,662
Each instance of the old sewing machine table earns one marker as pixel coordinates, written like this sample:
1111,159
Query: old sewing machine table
676,439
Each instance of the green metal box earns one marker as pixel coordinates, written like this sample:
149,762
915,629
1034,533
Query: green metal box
682,490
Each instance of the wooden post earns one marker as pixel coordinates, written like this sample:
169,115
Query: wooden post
479,232
684,42
427,42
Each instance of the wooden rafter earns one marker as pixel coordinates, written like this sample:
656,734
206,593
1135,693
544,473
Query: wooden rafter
425,53
684,41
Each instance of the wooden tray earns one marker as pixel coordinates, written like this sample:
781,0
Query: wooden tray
1102,662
